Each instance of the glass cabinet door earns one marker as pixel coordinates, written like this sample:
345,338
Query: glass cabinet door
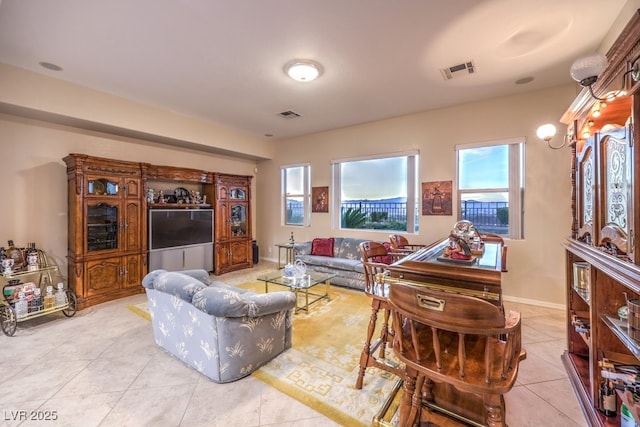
101,187
238,220
617,180
237,194
102,227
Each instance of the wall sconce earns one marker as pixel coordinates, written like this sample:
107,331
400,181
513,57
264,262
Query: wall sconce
586,70
546,132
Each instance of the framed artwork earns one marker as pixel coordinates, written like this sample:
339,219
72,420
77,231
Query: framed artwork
320,199
437,198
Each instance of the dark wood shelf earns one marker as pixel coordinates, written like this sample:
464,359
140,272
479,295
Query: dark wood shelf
620,329
178,205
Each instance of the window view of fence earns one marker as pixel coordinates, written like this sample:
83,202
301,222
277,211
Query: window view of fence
487,217
375,215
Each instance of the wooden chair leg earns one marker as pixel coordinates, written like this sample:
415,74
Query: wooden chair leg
427,391
366,350
495,407
416,402
384,334
404,411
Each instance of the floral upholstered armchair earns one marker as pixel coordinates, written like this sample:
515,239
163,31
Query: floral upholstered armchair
219,330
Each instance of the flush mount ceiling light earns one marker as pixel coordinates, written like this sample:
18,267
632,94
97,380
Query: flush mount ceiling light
302,70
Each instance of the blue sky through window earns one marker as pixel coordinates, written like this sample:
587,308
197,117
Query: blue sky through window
374,179
484,168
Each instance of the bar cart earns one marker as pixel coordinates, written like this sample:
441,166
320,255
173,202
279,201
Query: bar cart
33,290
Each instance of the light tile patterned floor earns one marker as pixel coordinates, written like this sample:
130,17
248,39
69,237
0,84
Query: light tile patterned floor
102,368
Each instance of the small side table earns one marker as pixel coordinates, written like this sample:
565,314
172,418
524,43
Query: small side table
288,254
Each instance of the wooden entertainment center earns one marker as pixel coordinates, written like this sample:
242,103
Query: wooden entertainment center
602,258
108,236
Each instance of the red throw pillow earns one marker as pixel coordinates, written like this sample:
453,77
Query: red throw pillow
387,259
322,247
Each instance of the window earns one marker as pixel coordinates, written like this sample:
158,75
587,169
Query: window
376,193
491,186
295,195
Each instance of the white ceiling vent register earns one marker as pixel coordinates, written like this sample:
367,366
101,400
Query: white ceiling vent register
457,71
289,114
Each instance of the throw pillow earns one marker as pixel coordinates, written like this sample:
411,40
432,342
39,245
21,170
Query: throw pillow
322,247
387,259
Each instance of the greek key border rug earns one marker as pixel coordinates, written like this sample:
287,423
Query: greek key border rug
321,368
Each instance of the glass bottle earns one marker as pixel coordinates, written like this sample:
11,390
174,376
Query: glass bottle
61,296
16,254
49,298
607,399
21,307
32,257
36,303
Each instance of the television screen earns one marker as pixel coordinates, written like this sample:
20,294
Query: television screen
169,228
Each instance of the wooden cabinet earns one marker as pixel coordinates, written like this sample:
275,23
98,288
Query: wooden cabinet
108,246
106,228
232,237
602,263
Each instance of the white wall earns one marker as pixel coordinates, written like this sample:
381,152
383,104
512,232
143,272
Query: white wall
536,263
42,96
34,179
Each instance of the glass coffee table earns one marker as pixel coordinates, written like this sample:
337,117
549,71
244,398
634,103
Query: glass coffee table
301,286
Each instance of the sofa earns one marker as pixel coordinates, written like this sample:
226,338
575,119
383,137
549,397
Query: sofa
337,255
219,330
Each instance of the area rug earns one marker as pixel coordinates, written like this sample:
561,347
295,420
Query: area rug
141,309
321,368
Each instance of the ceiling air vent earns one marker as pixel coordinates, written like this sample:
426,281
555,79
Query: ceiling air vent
459,70
289,114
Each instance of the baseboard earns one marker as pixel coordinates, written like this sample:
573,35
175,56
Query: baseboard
535,302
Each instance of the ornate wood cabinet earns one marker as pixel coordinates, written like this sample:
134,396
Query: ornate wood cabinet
106,233
232,205
602,262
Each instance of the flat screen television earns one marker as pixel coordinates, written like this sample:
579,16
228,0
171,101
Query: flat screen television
170,228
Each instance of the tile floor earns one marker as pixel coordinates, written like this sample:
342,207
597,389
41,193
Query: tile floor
102,368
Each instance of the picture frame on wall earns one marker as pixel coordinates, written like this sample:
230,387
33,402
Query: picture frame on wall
437,198
320,199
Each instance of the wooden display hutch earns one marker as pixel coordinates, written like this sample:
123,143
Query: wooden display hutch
107,237
232,204
602,262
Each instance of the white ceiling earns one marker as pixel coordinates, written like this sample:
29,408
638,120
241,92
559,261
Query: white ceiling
222,60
